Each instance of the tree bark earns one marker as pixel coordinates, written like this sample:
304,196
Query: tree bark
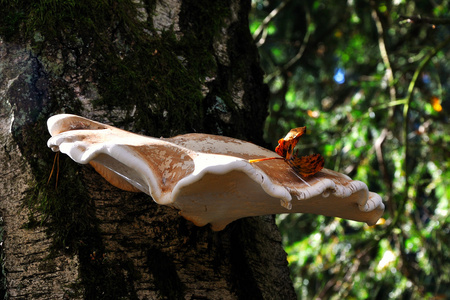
160,68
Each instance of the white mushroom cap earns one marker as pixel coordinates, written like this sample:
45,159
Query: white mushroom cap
207,177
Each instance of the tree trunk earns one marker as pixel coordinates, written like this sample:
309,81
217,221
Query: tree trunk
159,69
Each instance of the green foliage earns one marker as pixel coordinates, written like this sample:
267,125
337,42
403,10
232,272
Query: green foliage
371,84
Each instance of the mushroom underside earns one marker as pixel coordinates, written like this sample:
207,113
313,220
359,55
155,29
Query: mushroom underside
235,195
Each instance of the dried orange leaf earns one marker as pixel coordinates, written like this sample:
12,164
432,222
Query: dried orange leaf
287,144
306,165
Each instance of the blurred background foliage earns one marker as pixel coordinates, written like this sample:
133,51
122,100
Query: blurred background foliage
370,80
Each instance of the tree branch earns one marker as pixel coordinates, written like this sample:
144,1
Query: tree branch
384,55
423,20
269,18
297,56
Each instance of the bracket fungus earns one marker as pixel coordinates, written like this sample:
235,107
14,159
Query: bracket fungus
209,178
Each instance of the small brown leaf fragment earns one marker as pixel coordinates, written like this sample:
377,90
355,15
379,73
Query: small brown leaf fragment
306,165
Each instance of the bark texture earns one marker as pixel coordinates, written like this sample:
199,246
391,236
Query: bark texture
158,68
30,272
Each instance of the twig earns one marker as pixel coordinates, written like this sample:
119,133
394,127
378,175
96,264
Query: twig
423,20
297,56
269,18
55,161
263,159
384,55
382,163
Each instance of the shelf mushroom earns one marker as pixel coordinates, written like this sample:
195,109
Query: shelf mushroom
209,178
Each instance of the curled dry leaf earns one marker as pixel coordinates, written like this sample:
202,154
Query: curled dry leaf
287,144
306,165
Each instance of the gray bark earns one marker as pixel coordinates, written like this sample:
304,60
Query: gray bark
81,238
30,272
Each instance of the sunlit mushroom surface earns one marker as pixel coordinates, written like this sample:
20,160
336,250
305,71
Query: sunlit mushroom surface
208,178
